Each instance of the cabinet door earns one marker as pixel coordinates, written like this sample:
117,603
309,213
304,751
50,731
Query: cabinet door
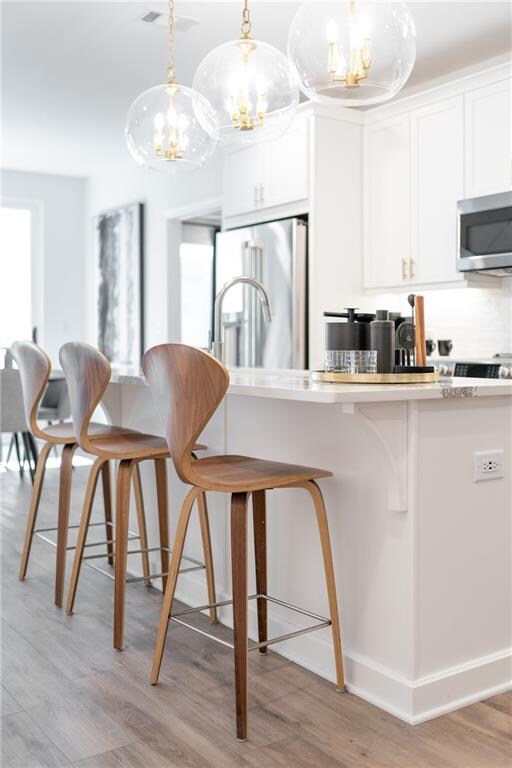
243,173
386,203
489,139
268,174
437,182
286,168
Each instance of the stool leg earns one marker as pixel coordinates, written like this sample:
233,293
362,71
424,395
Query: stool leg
239,578
18,455
10,449
66,467
207,549
107,505
323,528
260,559
181,532
33,448
34,508
124,476
141,523
27,452
163,516
90,491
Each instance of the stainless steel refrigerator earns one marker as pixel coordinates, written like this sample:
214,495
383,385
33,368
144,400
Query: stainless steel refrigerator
275,254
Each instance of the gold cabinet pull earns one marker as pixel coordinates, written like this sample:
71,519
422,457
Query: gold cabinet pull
405,273
412,269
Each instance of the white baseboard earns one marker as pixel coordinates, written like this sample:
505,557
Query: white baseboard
429,697
460,686
413,701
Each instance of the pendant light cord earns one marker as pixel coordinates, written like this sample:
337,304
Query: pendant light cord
246,21
171,77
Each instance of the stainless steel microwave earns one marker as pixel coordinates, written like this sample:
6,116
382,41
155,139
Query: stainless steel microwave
485,233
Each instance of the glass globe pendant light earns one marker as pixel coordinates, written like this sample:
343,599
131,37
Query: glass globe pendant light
162,130
250,86
352,53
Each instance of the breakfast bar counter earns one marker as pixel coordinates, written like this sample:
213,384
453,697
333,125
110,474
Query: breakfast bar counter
297,385
421,550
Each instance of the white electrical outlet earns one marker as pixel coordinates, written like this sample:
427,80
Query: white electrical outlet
489,465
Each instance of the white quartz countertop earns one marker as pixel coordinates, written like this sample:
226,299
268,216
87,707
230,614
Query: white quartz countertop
297,385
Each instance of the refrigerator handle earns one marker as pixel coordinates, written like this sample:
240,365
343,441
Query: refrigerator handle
252,253
299,296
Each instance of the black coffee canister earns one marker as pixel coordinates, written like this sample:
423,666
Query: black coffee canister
352,334
382,333
345,336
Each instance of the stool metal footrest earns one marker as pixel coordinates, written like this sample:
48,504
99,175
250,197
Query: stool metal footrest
197,565
322,621
39,533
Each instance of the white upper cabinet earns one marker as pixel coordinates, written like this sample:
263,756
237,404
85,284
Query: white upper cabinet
437,183
489,139
387,203
417,165
287,167
267,175
243,175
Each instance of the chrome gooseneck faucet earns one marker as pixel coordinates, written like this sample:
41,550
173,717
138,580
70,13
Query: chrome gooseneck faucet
217,349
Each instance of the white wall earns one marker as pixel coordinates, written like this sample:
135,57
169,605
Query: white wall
478,320
64,252
159,192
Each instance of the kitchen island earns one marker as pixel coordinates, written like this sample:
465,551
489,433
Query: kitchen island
422,552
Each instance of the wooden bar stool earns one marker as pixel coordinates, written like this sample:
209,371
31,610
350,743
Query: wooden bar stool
188,386
35,368
88,374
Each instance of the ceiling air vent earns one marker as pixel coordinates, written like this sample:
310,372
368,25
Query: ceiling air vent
159,19
151,16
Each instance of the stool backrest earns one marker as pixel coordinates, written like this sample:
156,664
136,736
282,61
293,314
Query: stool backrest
87,375
187,386
35,367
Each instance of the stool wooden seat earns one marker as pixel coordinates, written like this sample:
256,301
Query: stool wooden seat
232,473
188,385
132,445
35,369
88,374
64,433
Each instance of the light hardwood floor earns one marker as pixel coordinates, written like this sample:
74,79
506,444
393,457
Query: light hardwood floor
68,699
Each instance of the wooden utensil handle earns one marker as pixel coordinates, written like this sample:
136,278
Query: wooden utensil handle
421,353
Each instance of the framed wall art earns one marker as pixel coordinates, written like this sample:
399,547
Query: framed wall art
119,284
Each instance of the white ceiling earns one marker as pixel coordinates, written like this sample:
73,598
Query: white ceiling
71,69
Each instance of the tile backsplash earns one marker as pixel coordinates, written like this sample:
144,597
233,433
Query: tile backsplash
477,320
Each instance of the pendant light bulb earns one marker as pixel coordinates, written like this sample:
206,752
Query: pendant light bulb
352,53
162,130
250,87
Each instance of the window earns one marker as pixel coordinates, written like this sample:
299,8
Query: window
16,318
